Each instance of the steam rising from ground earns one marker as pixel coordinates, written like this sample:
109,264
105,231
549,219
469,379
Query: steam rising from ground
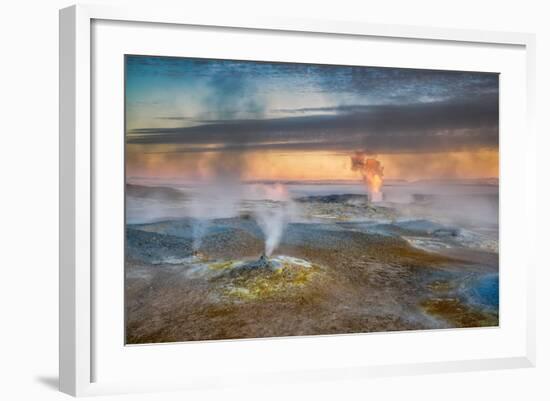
213,199
218,195
274,215
372,172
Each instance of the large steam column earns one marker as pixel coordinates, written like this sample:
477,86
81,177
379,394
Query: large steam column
372,172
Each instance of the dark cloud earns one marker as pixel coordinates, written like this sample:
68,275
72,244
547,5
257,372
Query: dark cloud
402,85
240,84
462,122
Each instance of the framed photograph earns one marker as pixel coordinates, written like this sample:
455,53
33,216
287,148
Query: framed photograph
278,200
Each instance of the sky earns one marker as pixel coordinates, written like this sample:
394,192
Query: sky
195,119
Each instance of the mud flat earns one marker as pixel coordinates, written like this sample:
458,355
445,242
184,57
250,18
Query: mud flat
326,277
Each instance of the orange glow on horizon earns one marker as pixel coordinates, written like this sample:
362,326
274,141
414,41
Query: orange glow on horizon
161,161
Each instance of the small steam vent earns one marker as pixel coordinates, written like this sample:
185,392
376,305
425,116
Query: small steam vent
264,261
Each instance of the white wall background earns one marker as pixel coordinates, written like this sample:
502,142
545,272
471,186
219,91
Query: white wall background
29,186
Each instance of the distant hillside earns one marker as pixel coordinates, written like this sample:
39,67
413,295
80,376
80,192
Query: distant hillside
142,191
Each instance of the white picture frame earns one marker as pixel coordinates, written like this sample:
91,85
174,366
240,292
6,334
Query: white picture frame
77,163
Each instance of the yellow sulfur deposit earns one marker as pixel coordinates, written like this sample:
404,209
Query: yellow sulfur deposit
267,283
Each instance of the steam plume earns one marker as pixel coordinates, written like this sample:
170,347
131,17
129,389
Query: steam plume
273,215
372,172
218,195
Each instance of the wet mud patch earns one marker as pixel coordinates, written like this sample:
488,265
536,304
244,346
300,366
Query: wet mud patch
458,314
